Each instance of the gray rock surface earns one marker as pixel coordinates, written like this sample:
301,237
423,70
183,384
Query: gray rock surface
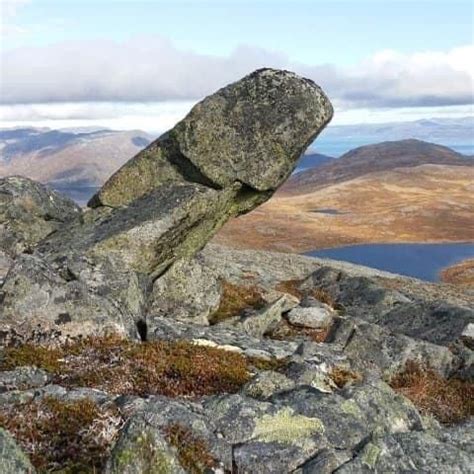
12,458
189,291
29,212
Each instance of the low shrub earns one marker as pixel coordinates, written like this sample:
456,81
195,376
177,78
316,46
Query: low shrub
71,436
448,400
115,365
342,376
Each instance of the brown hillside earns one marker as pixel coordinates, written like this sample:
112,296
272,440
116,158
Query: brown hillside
428,203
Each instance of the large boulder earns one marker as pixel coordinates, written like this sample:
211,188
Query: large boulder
230,154
250,132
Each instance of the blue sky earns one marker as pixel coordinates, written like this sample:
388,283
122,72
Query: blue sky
73,62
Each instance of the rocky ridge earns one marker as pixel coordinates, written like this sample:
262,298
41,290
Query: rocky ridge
149,351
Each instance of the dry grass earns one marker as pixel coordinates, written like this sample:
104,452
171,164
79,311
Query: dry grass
290,287
193,453
71,436
235,299
342,376
448,400
323,296
174,369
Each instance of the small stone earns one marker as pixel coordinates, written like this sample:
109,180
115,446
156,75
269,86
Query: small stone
467,336
260,323
313,317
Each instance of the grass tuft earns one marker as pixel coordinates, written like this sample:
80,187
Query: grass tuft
448,400
342,376
235,299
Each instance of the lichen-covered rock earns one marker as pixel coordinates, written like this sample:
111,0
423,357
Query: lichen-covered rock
23,378
189,291
39,300
409,452
264,320
12,459
251,132
29,212
168,436
375,349
266,384
232,151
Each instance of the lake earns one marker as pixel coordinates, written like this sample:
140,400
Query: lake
423,261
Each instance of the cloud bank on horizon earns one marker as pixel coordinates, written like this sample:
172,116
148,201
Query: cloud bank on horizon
122,82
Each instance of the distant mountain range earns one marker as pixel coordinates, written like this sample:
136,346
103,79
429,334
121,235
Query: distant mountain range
456,133
312,160
77,161
68,158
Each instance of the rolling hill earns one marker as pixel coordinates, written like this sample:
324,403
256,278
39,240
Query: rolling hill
373,158
406,191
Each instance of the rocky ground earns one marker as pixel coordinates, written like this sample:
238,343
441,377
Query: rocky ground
130,346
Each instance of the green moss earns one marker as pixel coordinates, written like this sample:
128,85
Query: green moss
351,408
286,427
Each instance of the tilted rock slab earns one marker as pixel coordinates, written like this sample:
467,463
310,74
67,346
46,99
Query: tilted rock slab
230,154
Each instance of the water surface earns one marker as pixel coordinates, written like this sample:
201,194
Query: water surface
423,261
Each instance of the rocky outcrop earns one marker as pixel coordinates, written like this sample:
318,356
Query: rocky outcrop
230,154
29,212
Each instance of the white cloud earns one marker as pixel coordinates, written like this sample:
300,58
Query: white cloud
8,12
151,69
152,117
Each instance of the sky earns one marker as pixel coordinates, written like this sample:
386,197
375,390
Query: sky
143,64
